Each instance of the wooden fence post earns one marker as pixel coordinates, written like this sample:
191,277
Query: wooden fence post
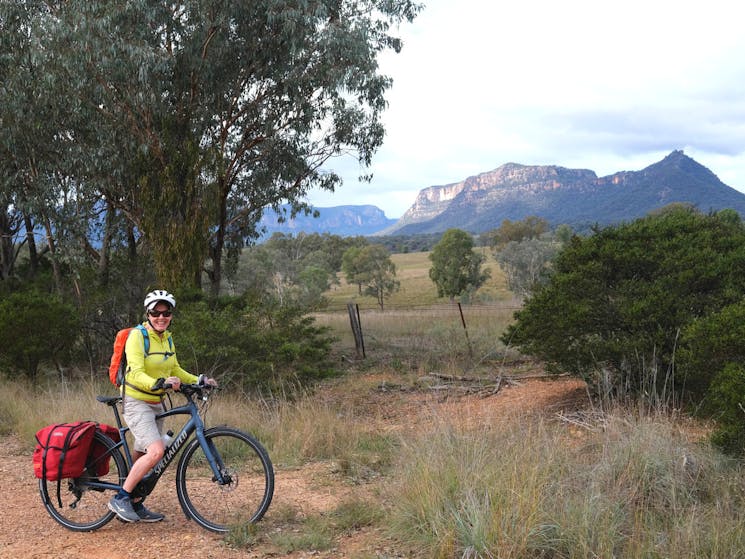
354,319
463,321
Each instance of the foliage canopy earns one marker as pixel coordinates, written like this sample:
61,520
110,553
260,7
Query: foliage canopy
456,267
370,267
140,143
620,301
180,122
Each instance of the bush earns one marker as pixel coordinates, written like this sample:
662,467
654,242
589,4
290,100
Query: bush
256,348
36,327
711,342
619,300
726,402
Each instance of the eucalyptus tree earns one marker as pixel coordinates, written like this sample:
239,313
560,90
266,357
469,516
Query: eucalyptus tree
381,279
41,195
201,113
456,267
527,263
19,135
370,267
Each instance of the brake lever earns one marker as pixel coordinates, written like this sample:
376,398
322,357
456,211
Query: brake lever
161,384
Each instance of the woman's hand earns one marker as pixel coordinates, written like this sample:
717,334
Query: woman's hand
207,381
175,383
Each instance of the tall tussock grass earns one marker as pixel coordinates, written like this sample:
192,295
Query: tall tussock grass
309,429
26,407
535,488
295,430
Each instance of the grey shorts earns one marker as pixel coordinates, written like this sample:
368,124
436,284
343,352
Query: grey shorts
140,418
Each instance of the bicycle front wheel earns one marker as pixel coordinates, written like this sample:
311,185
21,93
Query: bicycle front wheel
81,503
249,480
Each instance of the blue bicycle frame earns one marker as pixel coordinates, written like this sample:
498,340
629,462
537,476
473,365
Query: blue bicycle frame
195,424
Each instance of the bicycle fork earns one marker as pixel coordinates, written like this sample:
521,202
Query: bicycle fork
220,473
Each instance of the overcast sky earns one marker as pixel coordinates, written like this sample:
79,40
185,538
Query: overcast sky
577,83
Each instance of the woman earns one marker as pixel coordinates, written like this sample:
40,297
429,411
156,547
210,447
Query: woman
141,403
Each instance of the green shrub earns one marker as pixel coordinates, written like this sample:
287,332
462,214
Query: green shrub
726,402
35,328
619,300
252,346
710,343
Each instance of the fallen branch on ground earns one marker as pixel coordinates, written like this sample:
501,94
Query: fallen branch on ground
484,387
590,420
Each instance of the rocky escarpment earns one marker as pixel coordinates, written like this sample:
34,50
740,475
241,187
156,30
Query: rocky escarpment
577,197
506,184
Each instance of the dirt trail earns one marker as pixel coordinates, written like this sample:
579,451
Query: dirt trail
29,532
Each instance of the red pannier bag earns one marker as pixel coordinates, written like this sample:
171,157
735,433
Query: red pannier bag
97,459
62,450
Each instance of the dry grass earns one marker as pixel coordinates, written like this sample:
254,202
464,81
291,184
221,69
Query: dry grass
622,485
634,487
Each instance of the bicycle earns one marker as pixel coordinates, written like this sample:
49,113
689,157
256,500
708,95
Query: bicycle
223,478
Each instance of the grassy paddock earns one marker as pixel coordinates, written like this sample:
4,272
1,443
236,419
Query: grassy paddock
412,271
418,330
427,336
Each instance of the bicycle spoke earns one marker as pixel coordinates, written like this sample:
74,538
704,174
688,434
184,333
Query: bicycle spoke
81,505
249,481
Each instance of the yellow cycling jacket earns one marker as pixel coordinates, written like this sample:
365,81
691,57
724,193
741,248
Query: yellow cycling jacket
143,372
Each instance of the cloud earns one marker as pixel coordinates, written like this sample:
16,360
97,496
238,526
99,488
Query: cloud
579,83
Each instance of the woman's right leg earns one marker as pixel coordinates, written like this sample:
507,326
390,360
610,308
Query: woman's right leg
148,450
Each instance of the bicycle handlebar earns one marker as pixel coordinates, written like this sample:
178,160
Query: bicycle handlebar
161,384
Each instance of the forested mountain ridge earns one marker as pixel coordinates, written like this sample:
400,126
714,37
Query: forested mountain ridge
577,197
347,221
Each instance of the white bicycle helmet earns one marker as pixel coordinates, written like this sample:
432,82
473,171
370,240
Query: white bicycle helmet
152,298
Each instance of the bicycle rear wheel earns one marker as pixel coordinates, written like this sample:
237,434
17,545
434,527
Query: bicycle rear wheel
81,505
246,466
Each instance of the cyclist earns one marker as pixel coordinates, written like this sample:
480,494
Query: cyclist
141,403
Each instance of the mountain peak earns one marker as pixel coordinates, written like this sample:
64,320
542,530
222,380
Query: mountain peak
676,155
675,158
576,197
678,163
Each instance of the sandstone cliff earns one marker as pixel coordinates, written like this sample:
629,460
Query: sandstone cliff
577,197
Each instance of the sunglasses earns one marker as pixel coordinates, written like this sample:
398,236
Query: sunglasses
157,314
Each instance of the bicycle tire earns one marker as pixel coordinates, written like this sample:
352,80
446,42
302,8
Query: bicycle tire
244,499
83,508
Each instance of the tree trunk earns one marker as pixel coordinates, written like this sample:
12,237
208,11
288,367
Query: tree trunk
7,252
105,254
216,247
33,253
53,255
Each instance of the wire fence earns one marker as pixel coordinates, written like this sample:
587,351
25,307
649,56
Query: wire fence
421,332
